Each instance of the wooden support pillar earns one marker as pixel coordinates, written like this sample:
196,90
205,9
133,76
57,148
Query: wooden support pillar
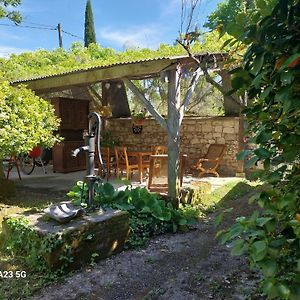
231,103
241,146
114,94
173,134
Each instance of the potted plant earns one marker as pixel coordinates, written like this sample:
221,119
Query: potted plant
138,117
105,111
107,140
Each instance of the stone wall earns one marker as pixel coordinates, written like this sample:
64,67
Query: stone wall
196,135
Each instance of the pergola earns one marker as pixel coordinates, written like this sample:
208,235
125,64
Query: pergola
123,73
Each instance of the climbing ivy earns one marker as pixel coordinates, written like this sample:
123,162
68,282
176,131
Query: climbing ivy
44,62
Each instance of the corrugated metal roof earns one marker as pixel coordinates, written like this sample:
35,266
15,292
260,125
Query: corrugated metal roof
98,67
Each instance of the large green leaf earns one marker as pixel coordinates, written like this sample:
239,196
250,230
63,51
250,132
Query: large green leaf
262,153
250,162
258,250
257,64
269,268
238,247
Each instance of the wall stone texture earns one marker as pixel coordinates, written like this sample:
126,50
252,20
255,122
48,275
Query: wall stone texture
197,133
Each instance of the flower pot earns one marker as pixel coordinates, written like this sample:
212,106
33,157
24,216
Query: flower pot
138,122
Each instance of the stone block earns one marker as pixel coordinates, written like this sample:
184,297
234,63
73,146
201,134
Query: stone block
221,140
218,128
228,130
194,141
216,134
102,232
207,128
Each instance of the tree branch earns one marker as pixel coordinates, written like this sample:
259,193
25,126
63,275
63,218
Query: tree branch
93,97
216,85
147,103
189,93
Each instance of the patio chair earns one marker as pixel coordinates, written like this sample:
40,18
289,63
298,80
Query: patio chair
156,151
109,161
159,150
158,177
211,161
123,163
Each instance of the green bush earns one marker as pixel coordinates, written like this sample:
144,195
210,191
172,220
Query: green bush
270,75
149,215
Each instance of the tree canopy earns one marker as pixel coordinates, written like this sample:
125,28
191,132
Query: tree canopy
224,14
12,15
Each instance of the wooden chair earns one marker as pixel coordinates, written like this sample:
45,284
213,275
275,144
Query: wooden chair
158,177
109,161
156,150
160,150
211,161
123,163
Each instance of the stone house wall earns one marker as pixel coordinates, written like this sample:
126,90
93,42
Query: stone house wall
196,135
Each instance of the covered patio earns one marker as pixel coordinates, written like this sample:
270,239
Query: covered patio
195,135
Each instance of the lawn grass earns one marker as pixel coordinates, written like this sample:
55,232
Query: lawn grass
220,198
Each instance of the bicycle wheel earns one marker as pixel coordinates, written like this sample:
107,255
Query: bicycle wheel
46,157
27,164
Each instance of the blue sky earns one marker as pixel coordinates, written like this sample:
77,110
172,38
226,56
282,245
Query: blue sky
118,23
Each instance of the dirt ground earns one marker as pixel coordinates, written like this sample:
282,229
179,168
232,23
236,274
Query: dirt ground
190,265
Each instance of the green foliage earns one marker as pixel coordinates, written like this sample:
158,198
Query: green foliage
43,62
22,241
107,140
89,29
139,115
26,120
12,15
149,215
271,77
224,14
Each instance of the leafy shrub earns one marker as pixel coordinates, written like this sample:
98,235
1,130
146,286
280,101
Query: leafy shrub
149,215
271,77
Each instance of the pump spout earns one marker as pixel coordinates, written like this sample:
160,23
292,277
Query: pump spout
77,150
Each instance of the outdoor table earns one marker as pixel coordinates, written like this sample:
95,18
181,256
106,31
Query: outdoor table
139,154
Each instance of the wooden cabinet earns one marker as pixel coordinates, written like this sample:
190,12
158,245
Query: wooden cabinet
63,161
73,113
74,119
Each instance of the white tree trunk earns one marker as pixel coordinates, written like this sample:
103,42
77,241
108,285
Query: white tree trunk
176,111
173,134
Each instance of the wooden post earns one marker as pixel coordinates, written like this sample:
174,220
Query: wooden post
231,108
173,134
59,35
241,146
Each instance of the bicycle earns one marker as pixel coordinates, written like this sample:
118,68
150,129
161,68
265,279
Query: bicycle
36,157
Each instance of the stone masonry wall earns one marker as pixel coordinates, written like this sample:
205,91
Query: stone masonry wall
196,136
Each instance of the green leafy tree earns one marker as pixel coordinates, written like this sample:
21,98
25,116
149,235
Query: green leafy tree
224,14
12,15
271,76
26,120
89,29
